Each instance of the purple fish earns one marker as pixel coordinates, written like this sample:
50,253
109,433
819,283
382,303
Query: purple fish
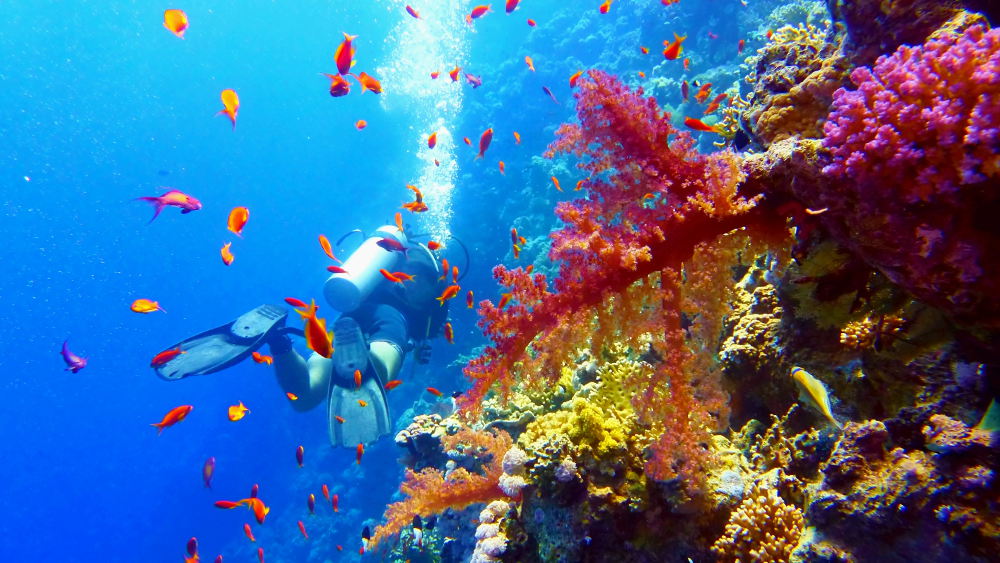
192,547
549,92
207,471
176,198
474,80
254,490
392,245
75,363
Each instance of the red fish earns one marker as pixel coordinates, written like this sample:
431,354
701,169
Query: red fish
326,492
574,78
502,167
673,50
454,274
453,73
477,12
165,356
434,392
605,7
336,270
687,63
295,302
237,220
311,504
336,500
260,554
207,471
369,82
226,504
226,254
360,452
531,23
412,12
175,198
388,275
302,528
484,142
292,396
327,249
449,333
339,86
449,292
403,276
257,507
318,339
468,299
715,103
432,140
339,419
344,53
390,385
176,21
511,5
300,453
74,363
360,124
230,104
392,245
254,490
192,547
703,93
435,74
175,415
357,379
698,125
249,532
433,245
644,50
739,47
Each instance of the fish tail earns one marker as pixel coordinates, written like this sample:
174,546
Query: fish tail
157,204
159,427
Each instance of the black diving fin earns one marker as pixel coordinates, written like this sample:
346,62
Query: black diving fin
224,346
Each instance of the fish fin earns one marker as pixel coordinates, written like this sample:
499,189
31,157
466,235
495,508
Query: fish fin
157,204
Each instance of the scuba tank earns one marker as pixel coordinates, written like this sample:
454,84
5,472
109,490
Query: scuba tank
346,291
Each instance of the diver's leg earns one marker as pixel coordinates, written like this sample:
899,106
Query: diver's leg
306,380
387,336
387,358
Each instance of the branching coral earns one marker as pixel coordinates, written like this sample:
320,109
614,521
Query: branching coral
763,528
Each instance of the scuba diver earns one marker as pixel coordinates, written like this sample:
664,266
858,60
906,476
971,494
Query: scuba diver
380,322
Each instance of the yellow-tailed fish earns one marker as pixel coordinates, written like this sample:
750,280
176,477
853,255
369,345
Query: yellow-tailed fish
816,390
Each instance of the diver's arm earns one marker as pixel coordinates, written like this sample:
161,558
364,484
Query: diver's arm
306,380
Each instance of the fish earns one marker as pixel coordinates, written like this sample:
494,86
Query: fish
403,276
357,379
453,73
504,299
336,270
399,221
176,21
704,91
555,182
227,254
392,245
327,249
412,12
311,503
517,138
516,249
260,554
574,77
165,356
390,385
226,504
484,142
237,220
342,56
176,198
434,392
530,63
360,124
714,105
739,47
477,12
175,415
258,508
769,33
192,547
531,23
230,105
687,64
644,50
207,471
454,274
369,83
511,5
302,528
339,419
578,187
467,141
237,412
449,333
418,530
673,49
605,7
300,453
248,532
475,81
254,490
74,363
432,140
550,94
362,403
326,492
339,86
360,452
388,275
449,292
684,90
292,396
816,391
642,74
218,559
435,74
502,167
318,339
444,269
698,125
433,245
468,299
336,502
295,302
712,35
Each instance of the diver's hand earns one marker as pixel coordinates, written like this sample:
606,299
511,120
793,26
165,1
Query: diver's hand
280,343
422,353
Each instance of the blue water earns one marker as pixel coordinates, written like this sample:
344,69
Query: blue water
99,104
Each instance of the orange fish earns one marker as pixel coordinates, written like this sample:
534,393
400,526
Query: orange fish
339,86
226,504
502,167
390,385
248,532
433,245
292,396
399,221
435,74
176,198
237,412
357,379
326,492
531,22
715,104
516,249
468,299
146,306
454,73
517,137
362,403
403,276
360,124
175,415
369,82
336,499
703,93
300,453
449,292
302,528
231,104
467,141
360,452
644,50
227,254
325,243
318,339
687,64
261,358
454,274
642,74
339,419
579,186
432,140
574,78
530,63
434,392
295,302
389,276
237,219
477,12
165,356
449,333
605,7
739,47
176,21
344,53
257,507
698,125
673,50
484,142
555,182
260,554
444,268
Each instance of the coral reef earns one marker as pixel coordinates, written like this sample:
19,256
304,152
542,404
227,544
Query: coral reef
762,528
